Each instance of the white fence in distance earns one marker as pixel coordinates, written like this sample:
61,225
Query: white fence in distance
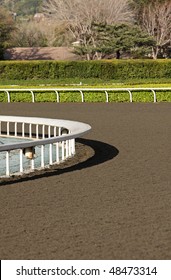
81,91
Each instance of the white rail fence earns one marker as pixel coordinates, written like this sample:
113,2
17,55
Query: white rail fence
81,91
56,136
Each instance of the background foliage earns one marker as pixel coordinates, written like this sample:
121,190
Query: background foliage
106,69
118,29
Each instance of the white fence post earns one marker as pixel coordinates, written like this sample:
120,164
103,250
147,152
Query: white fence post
43,131
54,131
49,131
73,146
23,127
57,152
67,148
130,95
42,156
107,96
37,131
15,129
7,128
21,160
59,131
32,163
154,95
30,130
33,97
8,96
70,146
57,96
50,154
7,163
82,96
63,150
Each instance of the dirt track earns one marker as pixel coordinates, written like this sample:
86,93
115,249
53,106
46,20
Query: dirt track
114,204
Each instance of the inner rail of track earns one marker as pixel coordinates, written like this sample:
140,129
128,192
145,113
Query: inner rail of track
81,91
42,132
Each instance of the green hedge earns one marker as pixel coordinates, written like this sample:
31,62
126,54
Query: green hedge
111,69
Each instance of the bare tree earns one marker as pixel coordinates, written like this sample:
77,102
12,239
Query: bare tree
29,34
36,33
87,10
155,19
81,14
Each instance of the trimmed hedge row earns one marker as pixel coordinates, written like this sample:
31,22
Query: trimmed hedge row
111,69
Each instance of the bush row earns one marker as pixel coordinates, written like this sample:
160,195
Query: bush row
111,69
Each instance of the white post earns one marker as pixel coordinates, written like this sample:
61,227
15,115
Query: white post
30,130
21,160
82,96
8,128
67,148
32,164
7,164
8,96
54,131
15,129
57,96
50,154
43,131
32,93
130,95
57,152
73,146
42,156
70,146
154,94
59,131
49,131
37,131
63,150
23,132
107,96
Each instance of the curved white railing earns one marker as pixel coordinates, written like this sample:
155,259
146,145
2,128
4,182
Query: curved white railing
41,132
81,91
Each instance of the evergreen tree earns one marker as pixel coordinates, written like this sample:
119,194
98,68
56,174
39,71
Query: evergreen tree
114,40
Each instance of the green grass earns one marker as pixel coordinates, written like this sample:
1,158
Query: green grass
85,83
145,96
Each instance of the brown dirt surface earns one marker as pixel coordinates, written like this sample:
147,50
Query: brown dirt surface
111,201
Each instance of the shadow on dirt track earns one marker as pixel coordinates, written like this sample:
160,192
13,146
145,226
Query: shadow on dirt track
101,152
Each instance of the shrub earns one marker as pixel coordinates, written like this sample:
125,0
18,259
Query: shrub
106,70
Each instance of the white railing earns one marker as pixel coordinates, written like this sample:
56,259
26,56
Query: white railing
51,134
81,91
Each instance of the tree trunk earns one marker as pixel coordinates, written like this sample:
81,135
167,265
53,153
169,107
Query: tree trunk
118,54
155,51
88,56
